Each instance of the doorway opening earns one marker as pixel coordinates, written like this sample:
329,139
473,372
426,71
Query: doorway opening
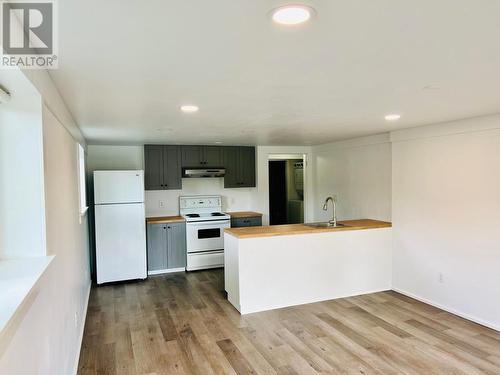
286,189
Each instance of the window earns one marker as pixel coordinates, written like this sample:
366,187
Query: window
81,179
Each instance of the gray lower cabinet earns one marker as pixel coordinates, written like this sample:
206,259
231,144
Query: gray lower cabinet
166,246
246,222
176,245
157,246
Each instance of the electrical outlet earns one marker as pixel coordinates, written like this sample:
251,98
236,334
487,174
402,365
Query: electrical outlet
441,278
161,204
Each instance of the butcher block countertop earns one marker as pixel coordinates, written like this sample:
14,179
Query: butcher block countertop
243,214
291,229
165,220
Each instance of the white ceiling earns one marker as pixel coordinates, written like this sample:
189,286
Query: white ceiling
126,66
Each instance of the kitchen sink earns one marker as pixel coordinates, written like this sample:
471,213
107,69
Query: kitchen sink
324,225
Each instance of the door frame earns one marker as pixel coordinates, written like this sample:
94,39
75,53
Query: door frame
288,156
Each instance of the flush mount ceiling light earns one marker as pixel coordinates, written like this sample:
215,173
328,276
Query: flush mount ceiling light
392,117
290,15
189,108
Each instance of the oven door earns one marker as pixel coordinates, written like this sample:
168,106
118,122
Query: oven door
205,235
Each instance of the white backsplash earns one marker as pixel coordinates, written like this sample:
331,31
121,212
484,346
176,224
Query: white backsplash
166,202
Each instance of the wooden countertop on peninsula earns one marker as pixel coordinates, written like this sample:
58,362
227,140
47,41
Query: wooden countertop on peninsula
292,229
165,219
243,214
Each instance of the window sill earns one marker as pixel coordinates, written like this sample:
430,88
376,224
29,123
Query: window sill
18,279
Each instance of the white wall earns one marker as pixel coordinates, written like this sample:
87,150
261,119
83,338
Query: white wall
47,337
114,157
232,199
358,171
21,169
446,184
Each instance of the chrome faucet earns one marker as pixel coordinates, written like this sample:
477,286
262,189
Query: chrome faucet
332,222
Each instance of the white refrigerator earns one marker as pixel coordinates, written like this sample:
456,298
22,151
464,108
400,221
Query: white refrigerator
120,225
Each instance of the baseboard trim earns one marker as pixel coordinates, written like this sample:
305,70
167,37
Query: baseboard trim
168,270
82,330
447,309
244,311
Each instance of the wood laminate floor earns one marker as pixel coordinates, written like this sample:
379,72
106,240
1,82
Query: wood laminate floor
182,324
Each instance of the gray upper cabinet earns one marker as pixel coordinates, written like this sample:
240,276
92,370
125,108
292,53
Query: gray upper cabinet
166,246
162,167
247,166
172,171
163,164
212,156
192,156
231,163
201,156
153,167
240,166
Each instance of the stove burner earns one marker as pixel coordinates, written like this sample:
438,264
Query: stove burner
193,215
217,214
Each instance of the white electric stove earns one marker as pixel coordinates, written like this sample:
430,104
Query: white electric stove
205,225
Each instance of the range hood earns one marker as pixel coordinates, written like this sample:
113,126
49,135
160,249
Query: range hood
203,172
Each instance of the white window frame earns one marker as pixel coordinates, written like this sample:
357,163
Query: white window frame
82,190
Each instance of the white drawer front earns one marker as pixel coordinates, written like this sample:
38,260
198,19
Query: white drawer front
201,261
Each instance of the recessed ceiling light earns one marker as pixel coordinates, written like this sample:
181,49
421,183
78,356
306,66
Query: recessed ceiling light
291,14
189,108
392,117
